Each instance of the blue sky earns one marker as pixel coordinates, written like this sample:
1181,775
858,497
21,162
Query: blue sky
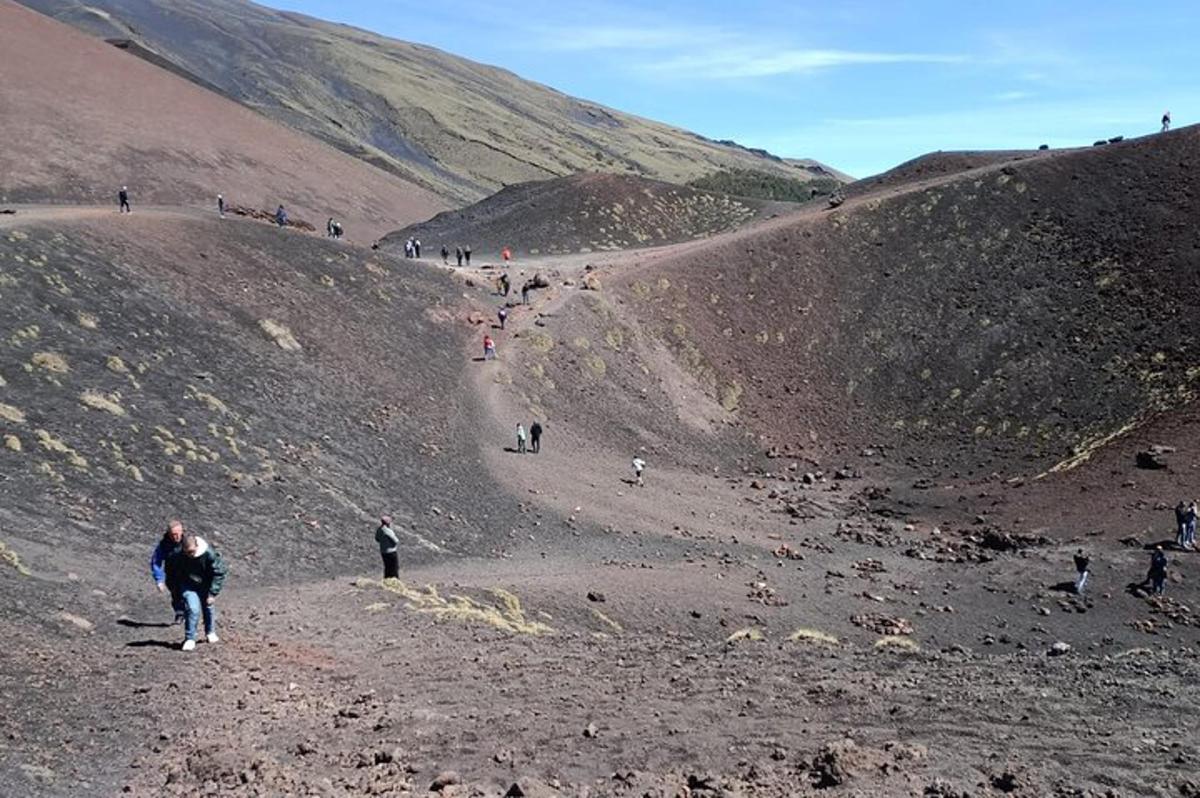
858,85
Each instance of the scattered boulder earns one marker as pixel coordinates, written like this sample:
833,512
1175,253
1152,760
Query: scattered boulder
591,282
1153,458
596,596
1059,649
1006,782
591,731
514,791
447,778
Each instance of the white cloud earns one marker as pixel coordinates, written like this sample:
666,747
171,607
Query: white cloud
1011,96
582,39
742,62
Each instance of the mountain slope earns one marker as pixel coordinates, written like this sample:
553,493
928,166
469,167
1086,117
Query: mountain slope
461,128
75,129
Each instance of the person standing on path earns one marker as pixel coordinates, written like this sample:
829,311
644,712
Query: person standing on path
445,256
221,206
506,255
525,294
535,436
170,543
505,285
389,548
639,465
1189,527
281,217
489,348
1157,576
416,247
195,576
458,255
1180,523
1166,121
502,314
467,253
1081,570
123,200
520,439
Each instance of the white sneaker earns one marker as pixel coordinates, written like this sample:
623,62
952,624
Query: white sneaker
212,637
189,645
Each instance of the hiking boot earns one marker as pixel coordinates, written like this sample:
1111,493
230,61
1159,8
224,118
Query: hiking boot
189,645
212,637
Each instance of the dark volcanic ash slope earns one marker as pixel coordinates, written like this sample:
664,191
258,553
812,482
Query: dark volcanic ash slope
1007,319
584,213
277,391
79,118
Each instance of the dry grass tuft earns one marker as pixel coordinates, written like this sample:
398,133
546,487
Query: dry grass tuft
751,633
87,321
506,614
281,335
51,361
116,365
11,414
897,643
813,636
609,622
12,443
110,403
10,557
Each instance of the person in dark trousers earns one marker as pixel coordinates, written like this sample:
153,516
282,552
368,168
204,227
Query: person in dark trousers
389,548
467,254
281,217
445,256
195,576
123,200
458,255
505,285
535,437
1189,527
525,294
416,247
502,314
1166,121
221,206
1157,577
520,439
489,348
1081,570
1180,524
170,543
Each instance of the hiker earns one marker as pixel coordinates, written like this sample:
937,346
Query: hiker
123,200
408,247
502,314
506,254
1166,121
525,293
170,542
416,247
1081,569
195,575
467,253
281,217
458,255
639,465
1157,575
329,228
505,285
1189,527
535,437
221,206
337,230
520,439
445,256
389,548
1180,523
489,348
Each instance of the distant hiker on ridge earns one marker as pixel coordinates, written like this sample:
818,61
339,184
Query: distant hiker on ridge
445,256
195,576
458,255
170,543
281,217
123,200
221,206
535,437
1081,570
467,253
1166,121
389,545
489,348
520,439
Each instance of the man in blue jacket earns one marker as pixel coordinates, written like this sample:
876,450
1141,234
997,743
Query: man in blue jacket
195,574
171,540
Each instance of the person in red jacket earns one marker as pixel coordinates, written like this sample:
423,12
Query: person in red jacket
506,253
489,348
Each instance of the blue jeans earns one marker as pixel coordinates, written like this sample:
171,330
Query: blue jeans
1189,534
194,604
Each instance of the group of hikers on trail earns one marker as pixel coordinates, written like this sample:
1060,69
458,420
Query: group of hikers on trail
186,567
534,438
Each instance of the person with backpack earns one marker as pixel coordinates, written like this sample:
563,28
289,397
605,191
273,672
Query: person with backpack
520,439
123,200
195,576
167,545
1081,570
535,436
389,548
1166,121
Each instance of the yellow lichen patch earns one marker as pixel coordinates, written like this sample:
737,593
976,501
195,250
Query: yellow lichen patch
579,342
208,400
281,335
897,643
604,619
56,445
505,614
596,365
12,414
1084,451
731,396
751,633
327,281
541,342
116,365
86,320
12,443
177,470
812,636
24,334
49,470
614,338
50,361
109,403
9,557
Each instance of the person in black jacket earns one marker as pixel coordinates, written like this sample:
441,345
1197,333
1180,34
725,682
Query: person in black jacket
195,576
535,436
123,200
1081,570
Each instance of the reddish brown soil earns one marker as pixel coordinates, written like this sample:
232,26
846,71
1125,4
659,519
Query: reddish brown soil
76,130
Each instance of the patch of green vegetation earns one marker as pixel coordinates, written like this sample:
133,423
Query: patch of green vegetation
764,185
